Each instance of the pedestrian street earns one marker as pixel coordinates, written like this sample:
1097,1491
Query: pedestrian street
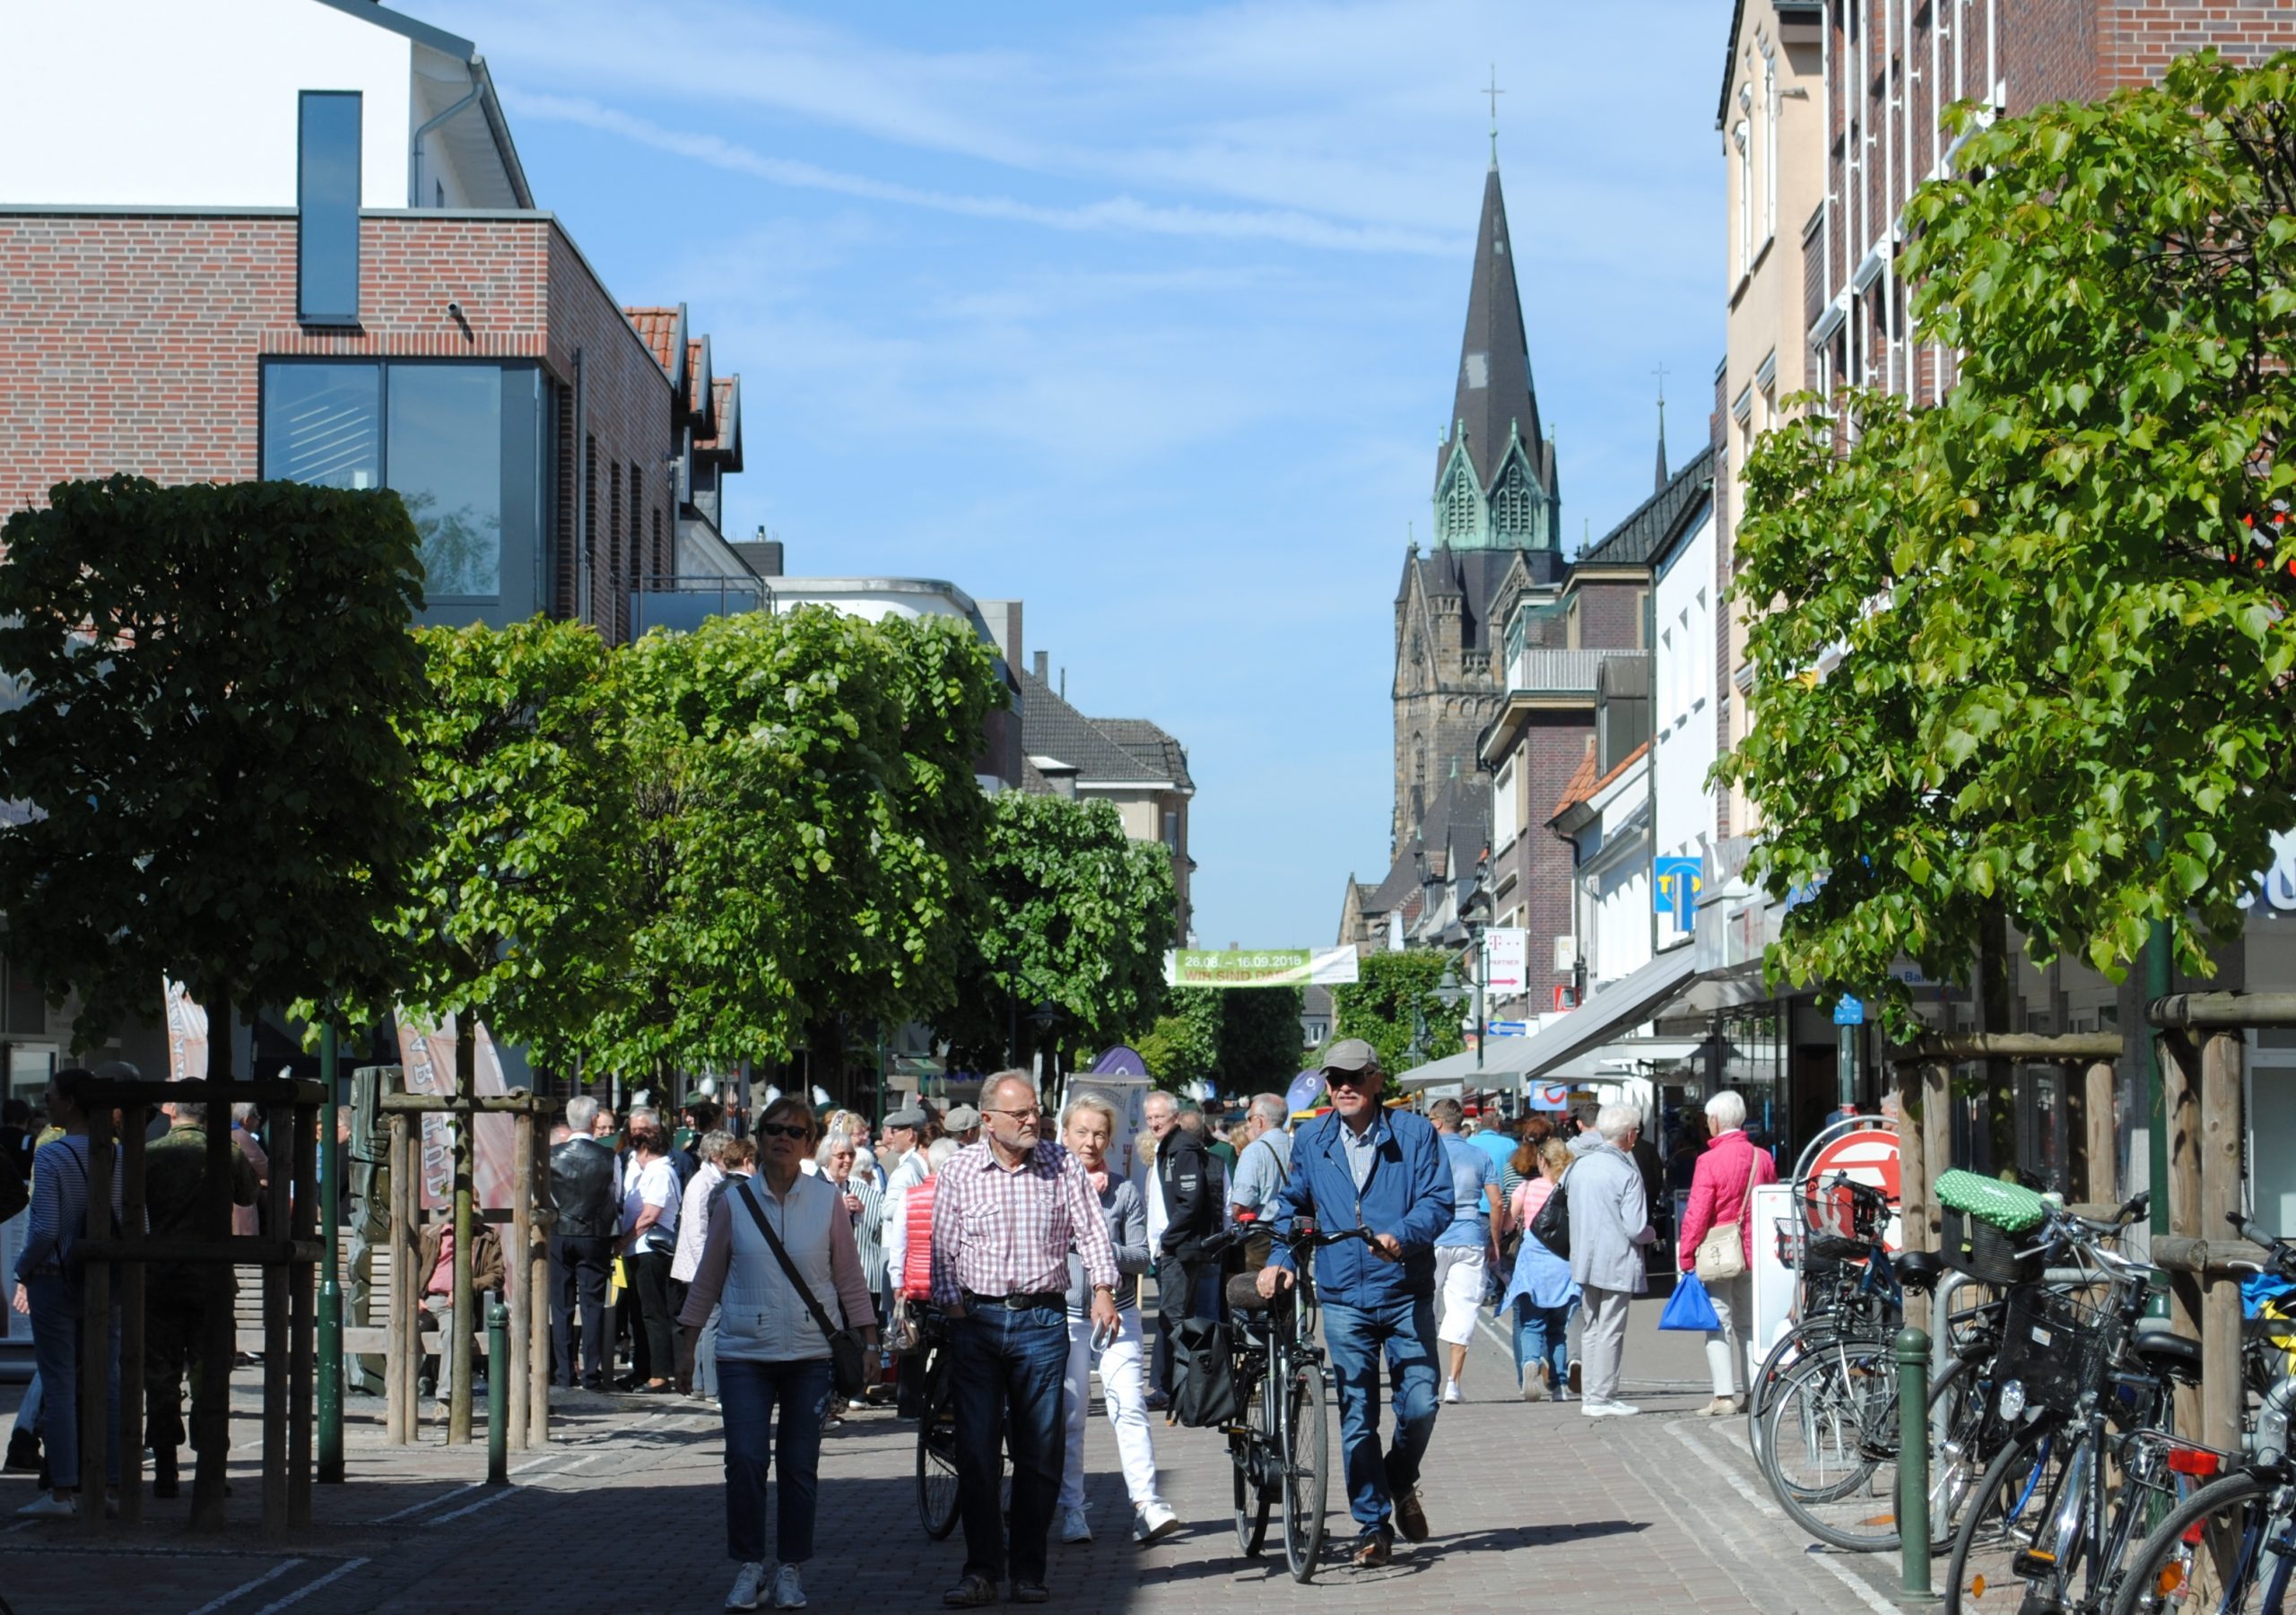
1529,1506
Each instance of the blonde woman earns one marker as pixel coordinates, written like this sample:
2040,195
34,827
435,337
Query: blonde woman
1542,1293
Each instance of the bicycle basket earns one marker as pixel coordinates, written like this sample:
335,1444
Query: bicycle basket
1839,1224
1983,1251
2058,1346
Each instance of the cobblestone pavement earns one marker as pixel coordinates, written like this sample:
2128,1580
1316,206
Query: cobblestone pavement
624,1514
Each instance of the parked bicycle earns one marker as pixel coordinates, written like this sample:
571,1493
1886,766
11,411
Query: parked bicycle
1280,1443
2086,1383
2231,1545
937,1428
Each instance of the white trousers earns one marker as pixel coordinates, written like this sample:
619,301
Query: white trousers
1127,1394
1726,1348
1601,1341
1461,1270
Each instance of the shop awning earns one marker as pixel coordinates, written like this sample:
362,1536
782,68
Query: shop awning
1606,1016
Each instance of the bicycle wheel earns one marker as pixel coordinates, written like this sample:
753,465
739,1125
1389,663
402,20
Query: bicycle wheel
1250,1450
2228,1547
1831,1449
1307,1470
936,1450
1827,1329
2023,1530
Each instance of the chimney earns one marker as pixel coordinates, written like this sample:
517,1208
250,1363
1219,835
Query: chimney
1043,668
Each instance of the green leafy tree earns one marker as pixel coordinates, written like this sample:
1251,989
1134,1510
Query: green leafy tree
2028,654
810,831
1378,1007
1075,917
1182,1049
203,772
519,911
1259,1047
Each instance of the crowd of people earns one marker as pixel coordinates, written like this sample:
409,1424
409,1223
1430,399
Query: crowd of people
758,1263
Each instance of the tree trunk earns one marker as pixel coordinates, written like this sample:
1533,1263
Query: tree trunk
1997,975
466,1228
211,1432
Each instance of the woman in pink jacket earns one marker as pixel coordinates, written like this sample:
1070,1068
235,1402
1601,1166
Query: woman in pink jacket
1720,1189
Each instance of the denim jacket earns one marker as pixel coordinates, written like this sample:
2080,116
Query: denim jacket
1408,1195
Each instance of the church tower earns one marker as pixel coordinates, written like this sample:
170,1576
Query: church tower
1497,537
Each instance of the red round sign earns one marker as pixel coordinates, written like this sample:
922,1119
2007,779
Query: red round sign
1869,1155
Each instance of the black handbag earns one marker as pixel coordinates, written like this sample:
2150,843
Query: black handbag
1552,1227
849,1368
1204,1374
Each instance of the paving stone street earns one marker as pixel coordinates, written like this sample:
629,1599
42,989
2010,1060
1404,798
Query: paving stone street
1529,1505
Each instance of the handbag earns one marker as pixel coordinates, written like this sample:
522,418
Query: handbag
848,1369
903,1336
1552,1227
1722,1252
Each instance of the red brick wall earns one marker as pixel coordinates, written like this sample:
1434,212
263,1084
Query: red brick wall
2136,40
134,342
1547,757
1610,614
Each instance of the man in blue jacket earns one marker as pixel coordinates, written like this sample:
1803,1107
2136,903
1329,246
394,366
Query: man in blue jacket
1363,1166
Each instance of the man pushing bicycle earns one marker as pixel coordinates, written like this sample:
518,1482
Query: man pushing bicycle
1363,1165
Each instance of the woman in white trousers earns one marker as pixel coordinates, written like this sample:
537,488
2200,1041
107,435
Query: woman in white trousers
1721,1189
1086,1126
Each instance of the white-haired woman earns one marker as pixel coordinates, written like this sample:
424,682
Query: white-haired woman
838,1158
1721,1190
1086,1128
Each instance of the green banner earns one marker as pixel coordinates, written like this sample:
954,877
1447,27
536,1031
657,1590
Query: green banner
1261,967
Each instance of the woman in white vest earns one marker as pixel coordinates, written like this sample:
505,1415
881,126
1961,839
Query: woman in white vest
773,1358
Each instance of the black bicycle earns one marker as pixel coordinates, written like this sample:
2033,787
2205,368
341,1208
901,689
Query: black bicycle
936,1430
1280,1442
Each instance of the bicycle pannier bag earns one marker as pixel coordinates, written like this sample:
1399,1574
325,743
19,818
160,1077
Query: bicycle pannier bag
1204,1374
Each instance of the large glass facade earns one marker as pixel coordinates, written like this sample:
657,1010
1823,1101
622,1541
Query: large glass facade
462,444
446,437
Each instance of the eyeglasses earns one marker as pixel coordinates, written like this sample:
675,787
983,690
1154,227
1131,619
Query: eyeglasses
783,1130
1020,1115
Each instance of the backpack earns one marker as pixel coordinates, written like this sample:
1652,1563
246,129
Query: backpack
1552,1227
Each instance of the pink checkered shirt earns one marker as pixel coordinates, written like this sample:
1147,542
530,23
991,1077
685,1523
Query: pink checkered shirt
1000,1231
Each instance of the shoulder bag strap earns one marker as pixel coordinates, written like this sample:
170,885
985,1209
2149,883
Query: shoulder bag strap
780,1255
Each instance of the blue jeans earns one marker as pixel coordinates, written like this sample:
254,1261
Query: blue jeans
1356,1337
749,1392
705,1356
1543,1333
1009,1370
57,1332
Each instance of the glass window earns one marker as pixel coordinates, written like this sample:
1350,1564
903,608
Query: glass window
446,447
326,203
323,423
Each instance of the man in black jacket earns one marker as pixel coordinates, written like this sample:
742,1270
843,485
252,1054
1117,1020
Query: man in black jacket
585,1185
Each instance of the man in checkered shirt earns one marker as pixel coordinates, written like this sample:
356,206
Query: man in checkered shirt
1008,1212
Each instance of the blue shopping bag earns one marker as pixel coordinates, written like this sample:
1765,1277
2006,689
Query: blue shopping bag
1690,1307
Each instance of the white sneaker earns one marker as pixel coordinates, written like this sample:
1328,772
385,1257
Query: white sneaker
50,1506
1594,1409
1534,1385
1153,1522
1074,1526
1451,1391
788,1592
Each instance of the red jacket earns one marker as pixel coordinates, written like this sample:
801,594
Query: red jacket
916,1255
1717,1193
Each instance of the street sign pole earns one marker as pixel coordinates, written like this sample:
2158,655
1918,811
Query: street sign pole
1849,1015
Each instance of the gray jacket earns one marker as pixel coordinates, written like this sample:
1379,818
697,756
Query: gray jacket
1127,1218
1610,1217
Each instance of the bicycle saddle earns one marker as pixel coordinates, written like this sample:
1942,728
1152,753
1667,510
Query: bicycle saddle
2157,1341
1243,1294
1919,1269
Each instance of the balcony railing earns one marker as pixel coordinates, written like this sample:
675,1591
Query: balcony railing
1542,672
684,604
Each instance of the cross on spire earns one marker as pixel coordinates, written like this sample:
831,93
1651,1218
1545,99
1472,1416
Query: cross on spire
1494,93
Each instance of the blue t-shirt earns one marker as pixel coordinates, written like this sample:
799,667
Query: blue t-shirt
1471,1171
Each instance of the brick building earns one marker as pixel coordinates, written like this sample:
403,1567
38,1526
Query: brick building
249,270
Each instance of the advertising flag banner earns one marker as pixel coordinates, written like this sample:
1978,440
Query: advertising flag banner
1260,967
427,1054
1506,955
186,1033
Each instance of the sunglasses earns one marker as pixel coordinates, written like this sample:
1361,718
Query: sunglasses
1352,1078
782,1130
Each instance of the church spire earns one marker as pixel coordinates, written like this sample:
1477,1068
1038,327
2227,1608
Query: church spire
1493,399
1660,485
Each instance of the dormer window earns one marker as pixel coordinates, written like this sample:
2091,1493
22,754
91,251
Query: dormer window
1515,507
1459,515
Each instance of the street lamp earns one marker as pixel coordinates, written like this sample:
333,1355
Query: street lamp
1475,910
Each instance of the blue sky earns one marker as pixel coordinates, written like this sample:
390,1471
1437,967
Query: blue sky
1149,315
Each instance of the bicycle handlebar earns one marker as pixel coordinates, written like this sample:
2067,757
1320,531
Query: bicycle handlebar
1308,1237
2282,1251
